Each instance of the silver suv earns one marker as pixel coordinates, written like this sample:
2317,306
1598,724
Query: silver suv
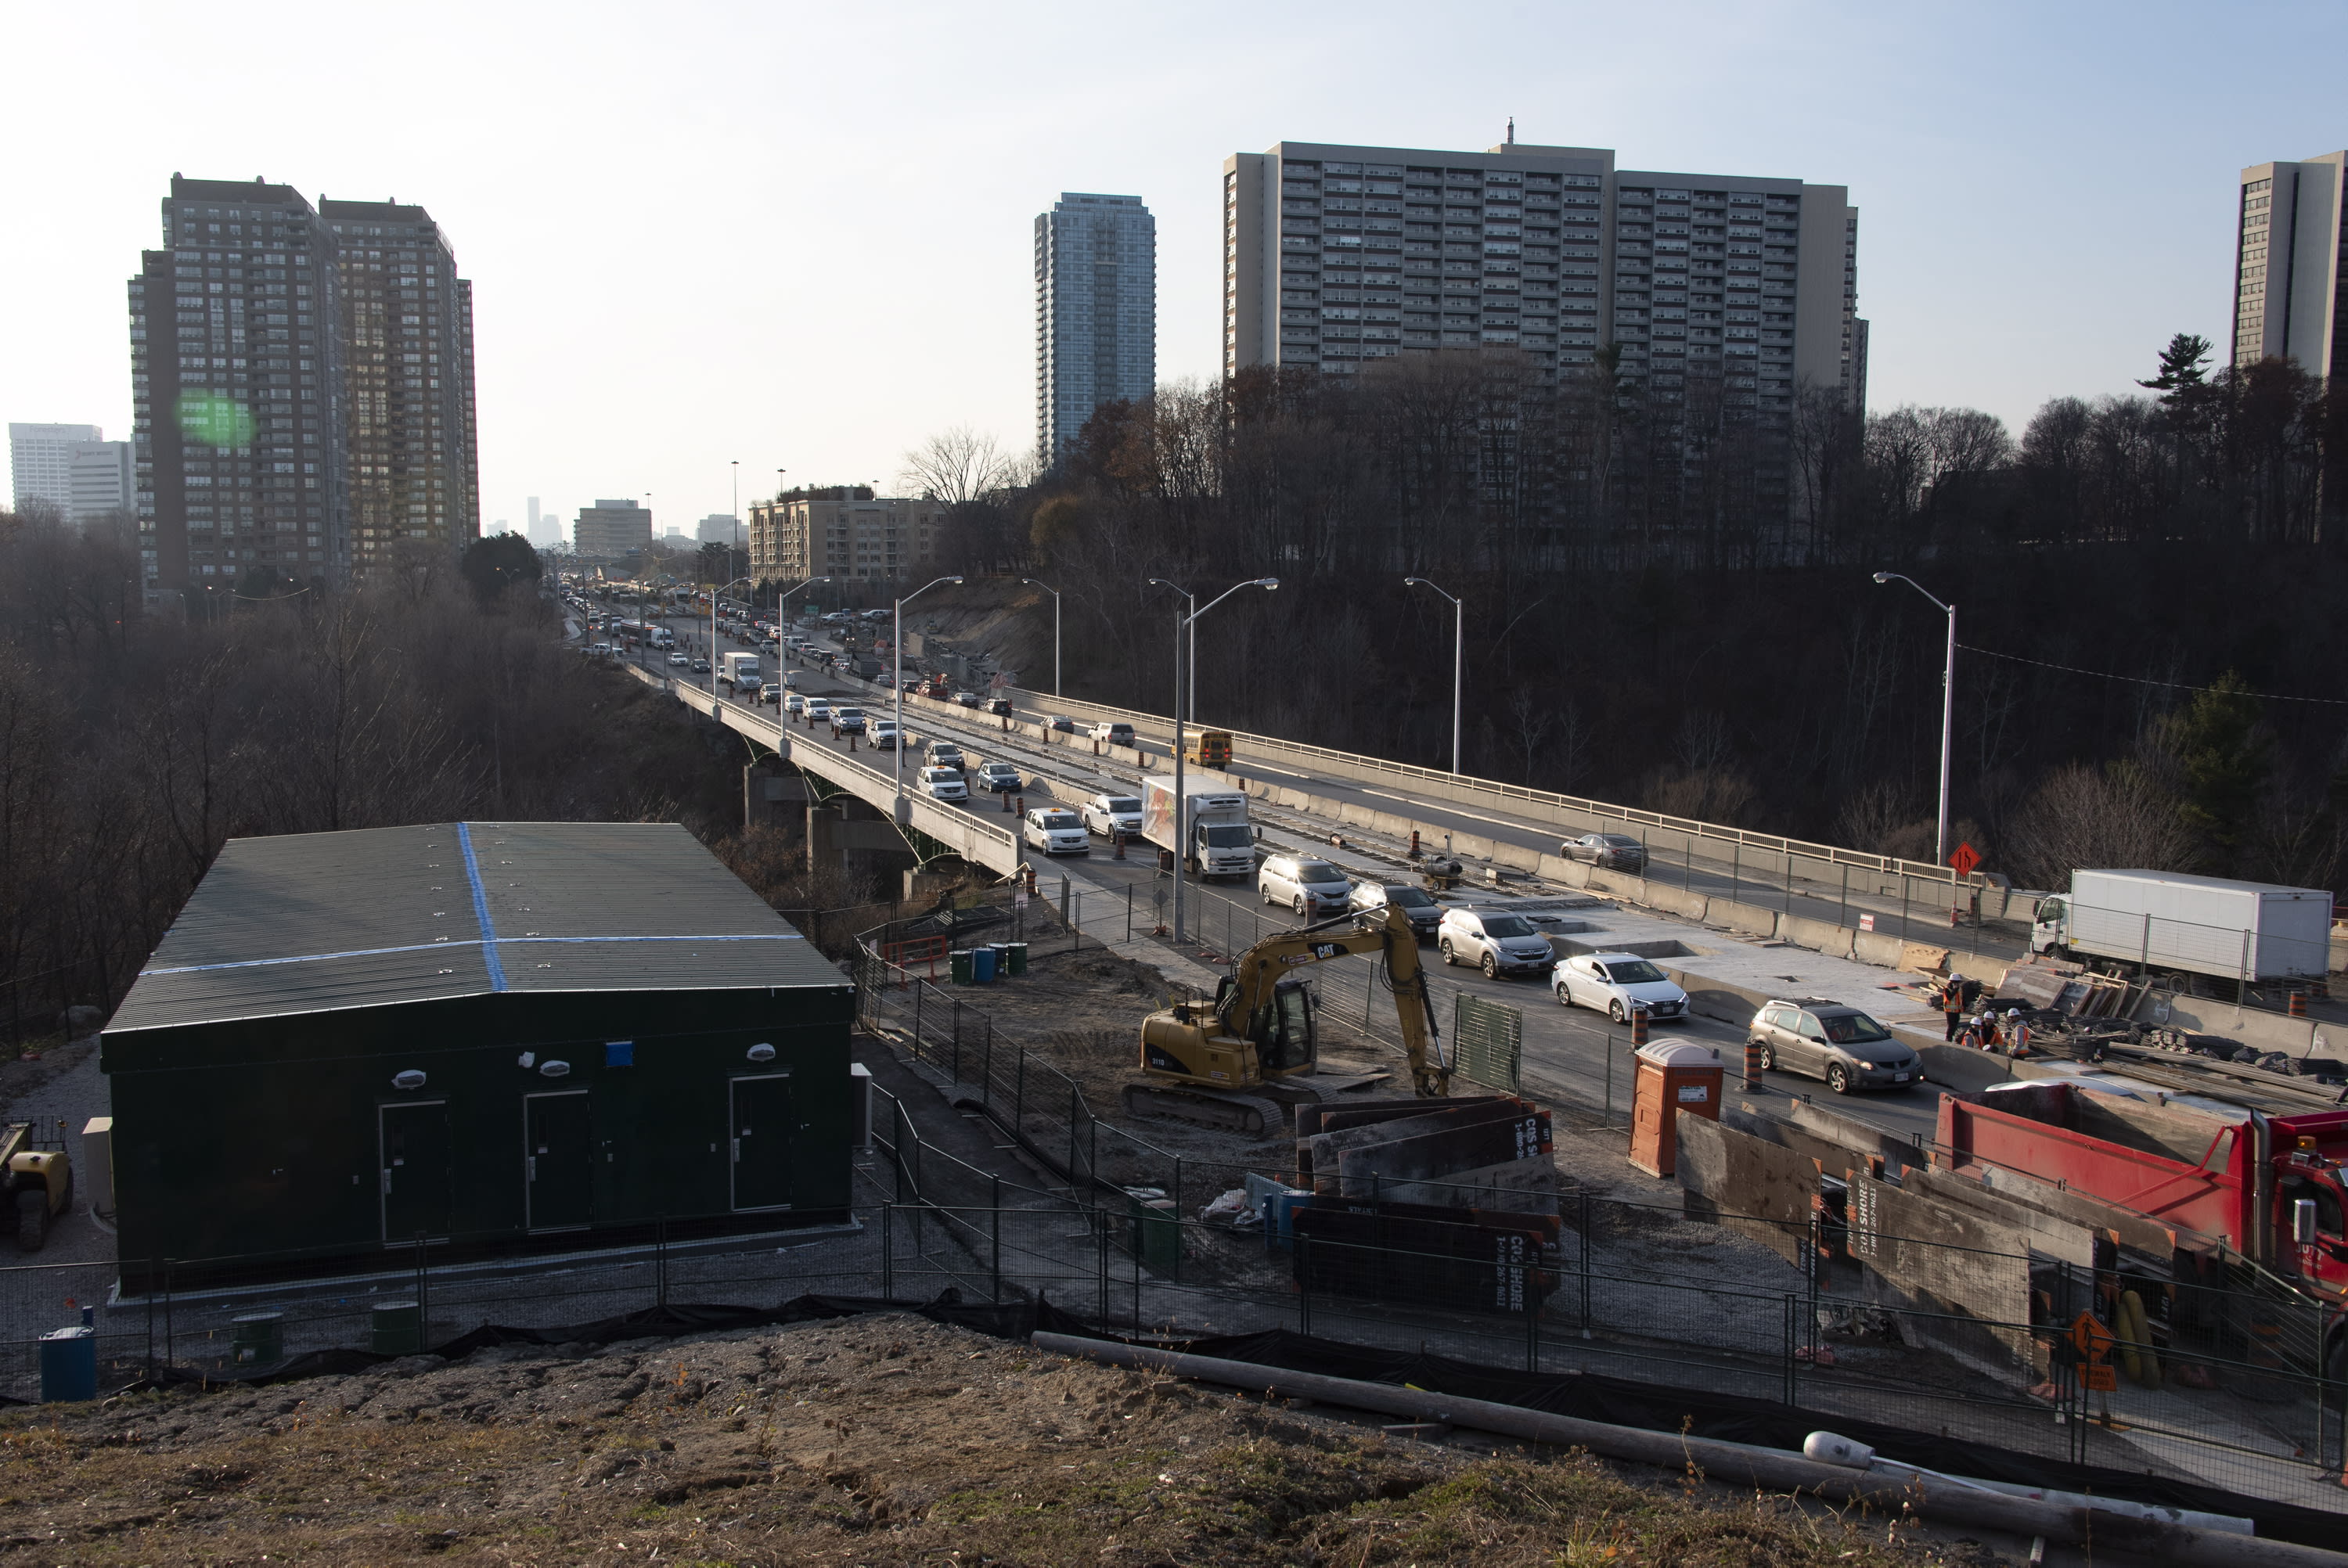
1822,1039
1495,941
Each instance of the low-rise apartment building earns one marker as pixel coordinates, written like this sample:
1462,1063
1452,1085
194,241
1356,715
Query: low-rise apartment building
844,532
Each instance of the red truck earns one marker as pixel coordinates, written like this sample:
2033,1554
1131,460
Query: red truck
2270,1188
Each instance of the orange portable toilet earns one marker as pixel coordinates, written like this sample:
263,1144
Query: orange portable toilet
1673,1076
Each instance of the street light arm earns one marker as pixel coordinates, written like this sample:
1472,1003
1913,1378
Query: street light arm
1883,577
1263,582
1422,582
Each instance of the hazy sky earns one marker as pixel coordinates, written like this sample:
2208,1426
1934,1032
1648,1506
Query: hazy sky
800,236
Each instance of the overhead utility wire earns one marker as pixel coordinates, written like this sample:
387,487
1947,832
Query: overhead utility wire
2143,680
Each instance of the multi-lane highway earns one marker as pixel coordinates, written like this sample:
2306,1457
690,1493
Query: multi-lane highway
1574,1056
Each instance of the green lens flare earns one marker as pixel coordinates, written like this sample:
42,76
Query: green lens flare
213,419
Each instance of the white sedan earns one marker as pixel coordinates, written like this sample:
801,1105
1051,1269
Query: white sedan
1055,830
1615,983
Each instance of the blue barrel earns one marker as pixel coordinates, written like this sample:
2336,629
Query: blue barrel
981,966
70,1364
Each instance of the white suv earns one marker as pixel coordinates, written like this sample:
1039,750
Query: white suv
1055,830
1310,885
1495,941
1108,813
1114,734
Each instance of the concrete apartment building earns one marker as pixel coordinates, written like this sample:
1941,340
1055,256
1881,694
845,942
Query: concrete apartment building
2287,300
40,462
302,382
719,528
1338,256
611,529
1095,311
407,325
843,532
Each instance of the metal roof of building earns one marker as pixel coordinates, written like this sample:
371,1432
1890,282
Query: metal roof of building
311,922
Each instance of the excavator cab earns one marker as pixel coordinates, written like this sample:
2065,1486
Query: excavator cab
1281,1029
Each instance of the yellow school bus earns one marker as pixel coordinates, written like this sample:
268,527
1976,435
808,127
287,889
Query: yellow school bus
1210,748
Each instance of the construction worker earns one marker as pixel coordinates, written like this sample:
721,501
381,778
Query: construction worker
2017,1033
1952,1004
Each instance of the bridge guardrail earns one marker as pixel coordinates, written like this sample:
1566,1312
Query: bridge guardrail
1474,789
976,838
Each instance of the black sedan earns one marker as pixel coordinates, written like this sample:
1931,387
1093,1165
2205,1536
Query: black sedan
1607,851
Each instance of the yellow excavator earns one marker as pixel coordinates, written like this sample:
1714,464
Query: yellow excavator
1244,1062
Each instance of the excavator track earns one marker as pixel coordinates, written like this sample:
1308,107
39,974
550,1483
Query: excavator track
1225,1112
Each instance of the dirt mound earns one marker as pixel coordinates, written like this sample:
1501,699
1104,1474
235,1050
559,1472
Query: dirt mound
882,1439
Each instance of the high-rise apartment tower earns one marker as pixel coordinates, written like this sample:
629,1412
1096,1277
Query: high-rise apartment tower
407,325
1095,311
2287,299
1335,257
302,387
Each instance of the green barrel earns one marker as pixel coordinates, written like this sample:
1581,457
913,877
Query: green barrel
259,1338
960,957
1015,953
396,1328
1156,1229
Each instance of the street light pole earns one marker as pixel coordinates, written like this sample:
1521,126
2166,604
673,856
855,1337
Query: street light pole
1459,659
714,595
1187,625
1948,704
901,812
1055,592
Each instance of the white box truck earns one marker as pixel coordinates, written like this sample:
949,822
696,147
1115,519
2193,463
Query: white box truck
1217,840
739,671
2201,924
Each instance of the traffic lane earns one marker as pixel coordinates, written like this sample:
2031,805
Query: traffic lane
1569,1053
1713,876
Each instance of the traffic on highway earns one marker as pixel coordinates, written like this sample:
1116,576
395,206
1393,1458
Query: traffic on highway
1069,806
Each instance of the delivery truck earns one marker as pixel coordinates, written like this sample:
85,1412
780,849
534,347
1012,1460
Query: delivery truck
1212,834
2244,932
739,671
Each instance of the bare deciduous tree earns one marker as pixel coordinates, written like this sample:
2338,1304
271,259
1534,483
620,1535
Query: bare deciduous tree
959,467
2116,815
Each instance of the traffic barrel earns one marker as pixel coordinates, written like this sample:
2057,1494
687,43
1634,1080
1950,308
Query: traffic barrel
1116,840
1637,1027
1752,1064
2298,1004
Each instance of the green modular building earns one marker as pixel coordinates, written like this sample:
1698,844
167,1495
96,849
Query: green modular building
496,1037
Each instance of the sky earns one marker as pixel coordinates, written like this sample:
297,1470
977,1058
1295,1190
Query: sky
799,236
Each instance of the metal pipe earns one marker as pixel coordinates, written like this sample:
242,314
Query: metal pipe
1775,1469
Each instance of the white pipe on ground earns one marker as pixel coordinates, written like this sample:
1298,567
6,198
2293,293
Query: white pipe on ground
1739,1463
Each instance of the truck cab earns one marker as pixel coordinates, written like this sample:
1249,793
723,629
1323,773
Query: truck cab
2046,925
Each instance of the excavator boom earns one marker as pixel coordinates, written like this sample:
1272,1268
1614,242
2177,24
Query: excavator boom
1262,966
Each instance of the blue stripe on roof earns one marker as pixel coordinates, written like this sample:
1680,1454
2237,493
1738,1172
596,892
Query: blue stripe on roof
482,909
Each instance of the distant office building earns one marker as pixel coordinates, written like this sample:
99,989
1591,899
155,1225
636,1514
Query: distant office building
1095,311
719,528
609,530
842,532
1335,257
2287,274
101,483
303,386
41,461
545,525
